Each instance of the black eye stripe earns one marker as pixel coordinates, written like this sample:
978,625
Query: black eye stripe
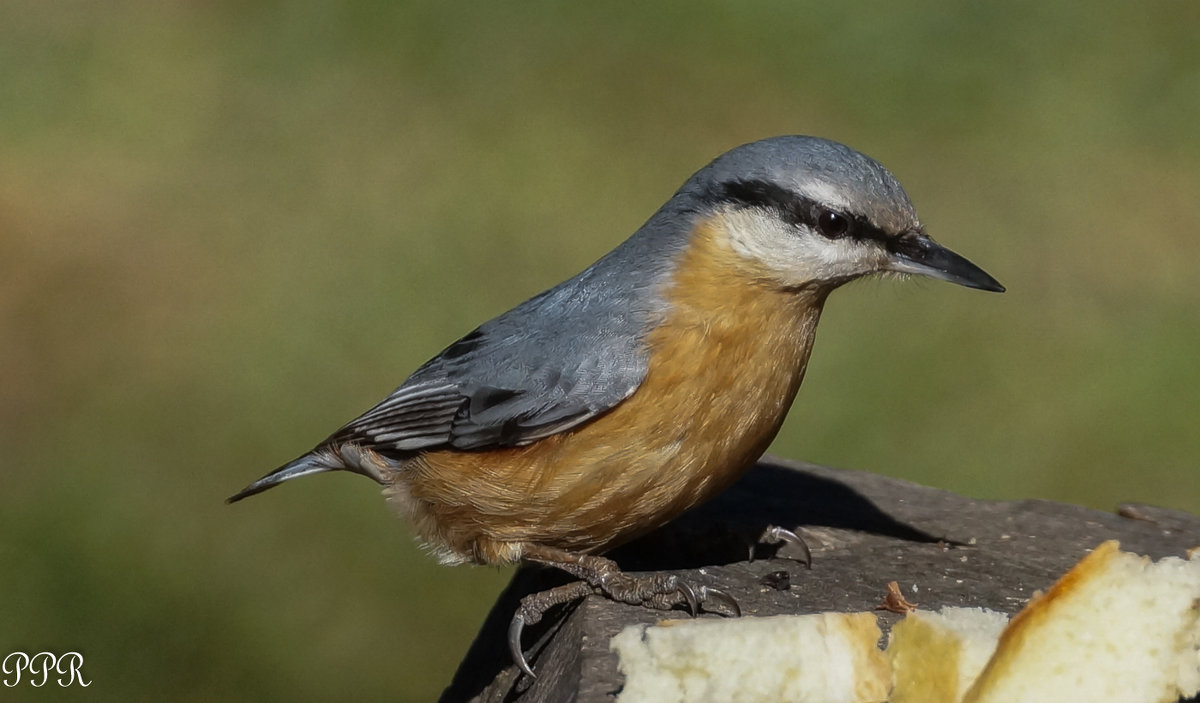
793,208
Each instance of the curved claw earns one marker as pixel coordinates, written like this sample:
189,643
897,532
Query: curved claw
776,534
515,628
689,595
724,598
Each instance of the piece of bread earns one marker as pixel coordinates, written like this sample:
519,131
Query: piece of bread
1116,627
935,657
821,658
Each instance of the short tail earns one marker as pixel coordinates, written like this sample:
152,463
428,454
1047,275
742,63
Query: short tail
326,457
308,464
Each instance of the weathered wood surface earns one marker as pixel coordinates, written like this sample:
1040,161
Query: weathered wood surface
864,531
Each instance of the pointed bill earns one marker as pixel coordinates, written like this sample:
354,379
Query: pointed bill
922,256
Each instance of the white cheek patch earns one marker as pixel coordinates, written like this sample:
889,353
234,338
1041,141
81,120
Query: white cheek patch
754,234
796,254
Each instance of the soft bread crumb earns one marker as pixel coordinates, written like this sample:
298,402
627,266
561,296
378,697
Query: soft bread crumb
1116,627
936,656
822,658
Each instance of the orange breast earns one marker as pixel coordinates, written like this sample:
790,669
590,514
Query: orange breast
725,365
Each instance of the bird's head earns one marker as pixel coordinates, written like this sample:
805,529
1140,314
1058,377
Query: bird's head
816,213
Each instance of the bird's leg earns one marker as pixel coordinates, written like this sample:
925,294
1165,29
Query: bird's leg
600,575
776,535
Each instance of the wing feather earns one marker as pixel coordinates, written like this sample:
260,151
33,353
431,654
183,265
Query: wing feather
524,376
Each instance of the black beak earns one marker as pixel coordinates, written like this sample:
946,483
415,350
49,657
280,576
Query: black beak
918,254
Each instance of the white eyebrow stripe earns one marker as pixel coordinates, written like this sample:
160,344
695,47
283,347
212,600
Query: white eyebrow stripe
825,194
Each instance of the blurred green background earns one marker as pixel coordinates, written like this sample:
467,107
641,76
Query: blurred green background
228,227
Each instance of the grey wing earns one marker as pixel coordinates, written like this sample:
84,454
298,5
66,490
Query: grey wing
549,364
499,387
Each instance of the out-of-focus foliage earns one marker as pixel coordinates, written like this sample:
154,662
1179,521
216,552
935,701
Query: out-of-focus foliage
227,227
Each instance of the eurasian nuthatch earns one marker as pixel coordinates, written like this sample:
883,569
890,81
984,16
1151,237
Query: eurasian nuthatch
608,405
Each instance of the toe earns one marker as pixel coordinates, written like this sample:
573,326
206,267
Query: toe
718,597
515,628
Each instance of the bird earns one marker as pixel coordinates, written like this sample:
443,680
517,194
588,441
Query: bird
609,404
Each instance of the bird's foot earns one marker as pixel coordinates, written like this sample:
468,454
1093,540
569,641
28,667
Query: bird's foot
531,610
779,535
661,591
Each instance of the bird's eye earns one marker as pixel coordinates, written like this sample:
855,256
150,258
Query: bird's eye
832,224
